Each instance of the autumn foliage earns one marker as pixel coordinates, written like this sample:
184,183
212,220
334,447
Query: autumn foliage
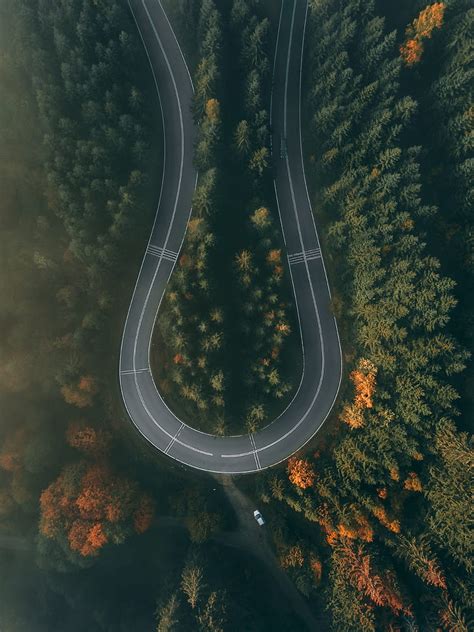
89,505
261,218
293,557
421,28
87,439
213,110
10,453
360,529
82,393
316,568
413,483
300,472
364,380
357,566
381,514
143,516
411,51
429,19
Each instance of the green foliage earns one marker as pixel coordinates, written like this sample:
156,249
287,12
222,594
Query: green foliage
166,615
199,370
446,123
396,309
209,39
251,134
199,608
264,322
449,491
190,322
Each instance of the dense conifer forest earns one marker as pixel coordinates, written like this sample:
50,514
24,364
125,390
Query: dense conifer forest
372,521
222,346
389,486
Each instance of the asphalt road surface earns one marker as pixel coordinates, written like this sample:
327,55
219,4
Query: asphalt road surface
321,375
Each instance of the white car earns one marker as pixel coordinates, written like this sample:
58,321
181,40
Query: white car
258,517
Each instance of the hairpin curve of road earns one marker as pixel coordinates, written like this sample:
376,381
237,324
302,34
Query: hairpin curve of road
321,349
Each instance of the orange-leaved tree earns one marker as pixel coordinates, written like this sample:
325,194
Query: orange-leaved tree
86,438
89,505
357,566
428,20
82,393
411,51
412,483
300,472
364,380
213,110
421,28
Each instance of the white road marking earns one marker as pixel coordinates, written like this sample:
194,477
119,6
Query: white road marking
289,174
174,438
133,371
163,253
160,249
176,40
162,180
237,455
301,257
255,451
285,105
274,62
285,435
167,236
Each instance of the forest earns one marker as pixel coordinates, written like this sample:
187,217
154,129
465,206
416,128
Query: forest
388,489
372,522
207,318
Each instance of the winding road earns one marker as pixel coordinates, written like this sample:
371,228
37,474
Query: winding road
322,358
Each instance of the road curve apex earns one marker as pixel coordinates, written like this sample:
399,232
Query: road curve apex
321,351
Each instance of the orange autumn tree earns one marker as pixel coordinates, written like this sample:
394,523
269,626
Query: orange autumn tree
421,559
89,505
356,527
213,110
300,472
421,28
381,514
82,393
412,483
316,567
364,380
429,19
411,51
87,439
357,567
